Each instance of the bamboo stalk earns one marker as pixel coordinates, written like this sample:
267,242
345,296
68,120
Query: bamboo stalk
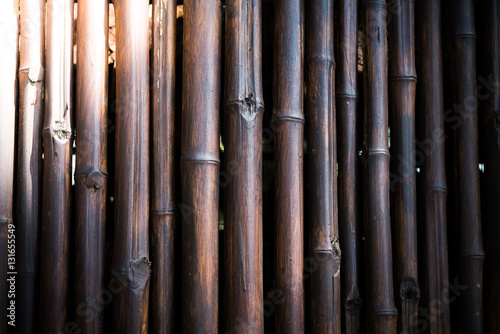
91,161
288,120
490,128
382,315
29,158
243,111
346,100
469,215
200,164
433,190
320,79
162,215
57,135
337,297
402,85
9,21
131,247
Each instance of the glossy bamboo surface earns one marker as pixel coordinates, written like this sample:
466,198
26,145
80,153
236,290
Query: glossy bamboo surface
131,227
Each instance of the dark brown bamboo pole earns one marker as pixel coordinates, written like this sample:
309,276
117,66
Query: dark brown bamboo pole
57,135
337,302
490,126
434,250
243,111
131,246
9,22
200,164
29,158
382,315
288,121
346,100
91,161
469,214
320,80
402,85
162,215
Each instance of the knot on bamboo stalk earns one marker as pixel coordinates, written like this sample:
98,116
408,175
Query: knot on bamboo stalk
409,290
353,304
337,254
61,131
35,72
137,274
95,179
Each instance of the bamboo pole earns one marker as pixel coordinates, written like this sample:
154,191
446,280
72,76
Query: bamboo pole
200,164
29,158
243,111
163,219
288,120
349,227
91,160
57,135
320,79
382,315
433,190
402,85
469,215
490,128
9,21
131,246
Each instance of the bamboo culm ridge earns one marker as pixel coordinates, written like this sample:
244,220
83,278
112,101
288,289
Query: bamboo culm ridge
249,166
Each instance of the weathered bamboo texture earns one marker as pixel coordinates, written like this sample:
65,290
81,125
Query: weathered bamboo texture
9,21
57,141
334,226
162,215
131,231
434,249
469,211
91,161
348,205
402,85
200,164
490,126
243,111
29,159
382,314
320,81
288,121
